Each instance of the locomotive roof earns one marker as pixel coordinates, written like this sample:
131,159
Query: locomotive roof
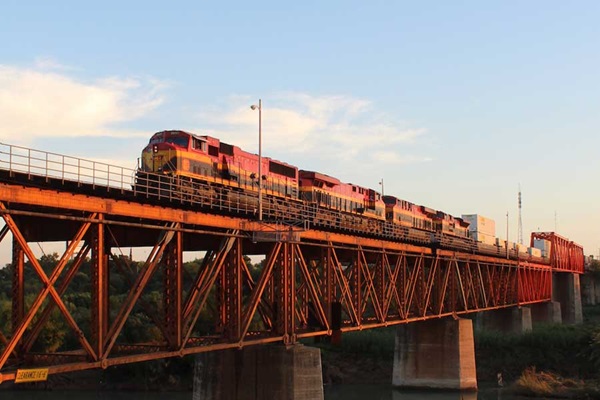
319,176
179,132
216,141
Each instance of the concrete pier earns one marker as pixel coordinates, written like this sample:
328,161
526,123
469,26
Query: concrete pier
567,291
435,354
510,320
590,289
546,313
259,373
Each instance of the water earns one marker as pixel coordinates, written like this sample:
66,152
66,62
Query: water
387,392
333,392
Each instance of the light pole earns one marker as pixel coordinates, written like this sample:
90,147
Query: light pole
381,183
507,251
259,107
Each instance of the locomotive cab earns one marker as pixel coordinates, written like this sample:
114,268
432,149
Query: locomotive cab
161,153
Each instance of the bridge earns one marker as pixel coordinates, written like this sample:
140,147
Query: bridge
317,279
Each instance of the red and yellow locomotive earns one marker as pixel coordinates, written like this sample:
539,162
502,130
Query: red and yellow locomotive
203,164
331,193
405,213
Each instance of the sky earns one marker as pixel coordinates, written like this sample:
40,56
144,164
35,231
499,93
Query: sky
454,104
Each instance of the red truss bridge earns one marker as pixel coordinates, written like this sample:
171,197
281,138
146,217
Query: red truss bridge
317,279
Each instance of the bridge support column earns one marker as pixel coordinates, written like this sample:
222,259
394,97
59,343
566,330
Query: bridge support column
567,291
435,354
546,313
590,289
513,320
259,372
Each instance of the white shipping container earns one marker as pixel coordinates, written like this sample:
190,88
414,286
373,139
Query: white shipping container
542,244
479,223
534,252
483,238
521,248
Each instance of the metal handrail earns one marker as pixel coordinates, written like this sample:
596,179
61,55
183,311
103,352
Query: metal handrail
48,165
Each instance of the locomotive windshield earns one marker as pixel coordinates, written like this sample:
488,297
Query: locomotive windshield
181,141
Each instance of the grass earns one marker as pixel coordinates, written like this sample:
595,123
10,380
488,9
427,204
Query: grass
532,382
565,350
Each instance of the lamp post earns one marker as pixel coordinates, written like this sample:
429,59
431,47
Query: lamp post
259,107
381,183
507,250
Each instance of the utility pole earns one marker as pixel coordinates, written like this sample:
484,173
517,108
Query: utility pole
259,108
520,218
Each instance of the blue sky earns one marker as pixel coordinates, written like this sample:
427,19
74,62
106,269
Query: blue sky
453,104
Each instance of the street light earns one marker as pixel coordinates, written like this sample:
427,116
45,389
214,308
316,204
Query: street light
381,183
259,107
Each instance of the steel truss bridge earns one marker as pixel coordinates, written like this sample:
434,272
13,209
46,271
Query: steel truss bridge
312,282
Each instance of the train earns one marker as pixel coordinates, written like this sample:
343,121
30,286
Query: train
185,165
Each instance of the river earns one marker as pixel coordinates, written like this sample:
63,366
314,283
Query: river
333,392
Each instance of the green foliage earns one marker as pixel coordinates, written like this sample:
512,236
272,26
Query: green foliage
157,375
376,343
594,266
56,334
562,349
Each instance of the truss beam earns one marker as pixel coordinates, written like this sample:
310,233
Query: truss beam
311,284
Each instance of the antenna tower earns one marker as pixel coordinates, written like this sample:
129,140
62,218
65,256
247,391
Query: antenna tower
520,218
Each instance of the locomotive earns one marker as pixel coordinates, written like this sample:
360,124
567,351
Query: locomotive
182,164
186,165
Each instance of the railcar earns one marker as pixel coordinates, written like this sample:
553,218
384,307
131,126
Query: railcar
450,225
405,213
194,164
329,192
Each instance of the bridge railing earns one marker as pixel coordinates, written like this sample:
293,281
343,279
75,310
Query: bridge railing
23,160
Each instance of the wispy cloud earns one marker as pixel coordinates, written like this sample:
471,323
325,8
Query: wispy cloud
333,127
46,101
50,63
49,100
